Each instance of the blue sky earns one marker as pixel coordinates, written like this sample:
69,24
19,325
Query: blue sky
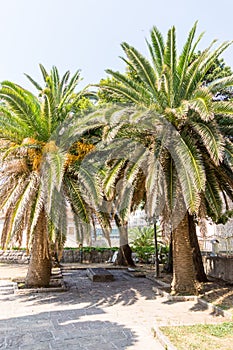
86,34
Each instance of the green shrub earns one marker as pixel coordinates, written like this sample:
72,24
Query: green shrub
90,249
142,242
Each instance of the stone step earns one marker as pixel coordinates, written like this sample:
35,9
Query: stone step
99,275
7,287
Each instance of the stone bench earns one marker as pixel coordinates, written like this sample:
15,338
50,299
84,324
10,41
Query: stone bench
99,274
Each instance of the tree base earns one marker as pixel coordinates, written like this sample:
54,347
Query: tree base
124,256
185,289
39,273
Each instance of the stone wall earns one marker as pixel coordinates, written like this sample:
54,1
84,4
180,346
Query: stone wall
219,267
14,256
69,256
94,256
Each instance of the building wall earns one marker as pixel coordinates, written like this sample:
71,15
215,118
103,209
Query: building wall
219,267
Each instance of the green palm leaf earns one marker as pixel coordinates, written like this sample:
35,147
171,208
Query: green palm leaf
75,195
157,49
142,66
211,138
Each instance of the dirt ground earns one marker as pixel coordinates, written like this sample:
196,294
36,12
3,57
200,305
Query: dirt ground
215,291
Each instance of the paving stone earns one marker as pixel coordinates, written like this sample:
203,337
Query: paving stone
15,341
35,346
42,336
67,344
121,343
2,342
91,316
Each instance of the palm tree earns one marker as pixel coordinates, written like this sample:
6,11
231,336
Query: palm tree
40,144
121,180
189,158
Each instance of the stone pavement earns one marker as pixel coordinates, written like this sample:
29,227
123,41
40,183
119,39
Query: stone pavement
92,315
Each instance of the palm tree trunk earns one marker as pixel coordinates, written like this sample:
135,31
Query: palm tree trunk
184,276
124,256
39,270
197,258
168,267
156,251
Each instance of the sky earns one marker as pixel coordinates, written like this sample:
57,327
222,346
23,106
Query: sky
86,34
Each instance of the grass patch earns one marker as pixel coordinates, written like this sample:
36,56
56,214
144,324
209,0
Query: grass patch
207,336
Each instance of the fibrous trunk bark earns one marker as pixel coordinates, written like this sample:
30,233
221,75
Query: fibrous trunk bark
168,267
156,251
39,270
184,276
124,256
197,258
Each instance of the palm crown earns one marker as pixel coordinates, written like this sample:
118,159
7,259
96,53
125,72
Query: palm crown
192,133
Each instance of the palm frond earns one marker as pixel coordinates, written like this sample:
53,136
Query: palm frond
25,199
154,187
229,154
58,213
201,102
170,52
186,155
223,108
211,138
22,103
220,84
142,66
157,49
194,73
38,205
13,194
212,56
89,180
6,230
135,90
44,72
212,196
111,176
75,196
105,223
38,87
171,182
187,53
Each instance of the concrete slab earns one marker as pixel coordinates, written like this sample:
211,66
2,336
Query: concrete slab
98,274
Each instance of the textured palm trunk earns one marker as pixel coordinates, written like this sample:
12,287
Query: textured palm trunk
184,276
197,258
39,270
124,256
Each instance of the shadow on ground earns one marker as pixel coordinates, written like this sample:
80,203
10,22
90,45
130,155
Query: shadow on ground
125,290
63,330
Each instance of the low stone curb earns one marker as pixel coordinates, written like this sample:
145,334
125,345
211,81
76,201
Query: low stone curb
195,298
57,274
7,286
40,290
216,309
163,339
175,297
159,334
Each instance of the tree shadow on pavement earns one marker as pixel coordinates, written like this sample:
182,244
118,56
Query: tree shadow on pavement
125,290
63,330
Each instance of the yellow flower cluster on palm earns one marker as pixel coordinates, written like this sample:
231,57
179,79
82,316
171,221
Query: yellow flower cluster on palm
80,150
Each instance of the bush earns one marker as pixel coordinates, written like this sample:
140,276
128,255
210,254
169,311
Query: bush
142,241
